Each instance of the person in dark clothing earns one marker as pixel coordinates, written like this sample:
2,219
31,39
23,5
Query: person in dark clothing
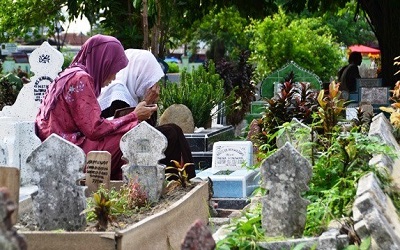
348,75
139,82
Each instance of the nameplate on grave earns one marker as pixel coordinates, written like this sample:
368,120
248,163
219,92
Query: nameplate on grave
98,169
232,155
375,95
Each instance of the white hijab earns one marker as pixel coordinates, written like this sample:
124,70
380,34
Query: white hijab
132,82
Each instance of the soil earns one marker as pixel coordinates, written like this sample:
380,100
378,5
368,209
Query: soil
27,221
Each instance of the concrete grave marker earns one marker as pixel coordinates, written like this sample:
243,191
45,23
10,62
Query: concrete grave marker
285,175
59,202
17,141
232,155
9,238
98,169
375,95
9,177
45,62
298,134
198,237
142,147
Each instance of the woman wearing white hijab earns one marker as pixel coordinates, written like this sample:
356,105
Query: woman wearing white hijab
139,82
136,82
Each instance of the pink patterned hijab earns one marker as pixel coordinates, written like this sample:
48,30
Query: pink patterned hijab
100,56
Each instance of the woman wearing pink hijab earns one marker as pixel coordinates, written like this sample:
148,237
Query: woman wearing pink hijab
70,108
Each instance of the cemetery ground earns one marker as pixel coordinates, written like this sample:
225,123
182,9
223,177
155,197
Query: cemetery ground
27,221
324,183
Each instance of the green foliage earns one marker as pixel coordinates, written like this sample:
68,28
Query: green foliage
247,231
279,39
23,18
331,108
178,174
335,176
237,79
173,67
292,101
105,205
201,90
67,60
222,29
346,30
9,90
137,196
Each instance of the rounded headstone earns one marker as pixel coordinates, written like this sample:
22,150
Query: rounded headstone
180,115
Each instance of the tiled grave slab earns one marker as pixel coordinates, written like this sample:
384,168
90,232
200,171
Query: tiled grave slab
202,160
203,141
231,184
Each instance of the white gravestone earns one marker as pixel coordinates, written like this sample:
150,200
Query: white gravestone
142,147
57,166
17,127
17,141
46,63
232,155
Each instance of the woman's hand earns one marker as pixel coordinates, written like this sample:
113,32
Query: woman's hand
152,95
144,111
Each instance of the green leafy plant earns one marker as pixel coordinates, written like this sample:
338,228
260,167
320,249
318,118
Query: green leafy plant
335,176
246,232
237,79
173,67
331,107
137,196
178,174
9,89
101,207
292,101
201,91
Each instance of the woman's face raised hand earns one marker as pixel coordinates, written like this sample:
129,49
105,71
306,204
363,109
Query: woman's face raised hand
108,80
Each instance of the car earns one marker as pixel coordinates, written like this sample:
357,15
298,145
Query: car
172,60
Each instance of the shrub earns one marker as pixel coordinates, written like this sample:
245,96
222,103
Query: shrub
200,91
173,67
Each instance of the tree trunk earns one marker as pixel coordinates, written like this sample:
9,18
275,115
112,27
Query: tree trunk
145,25
386,23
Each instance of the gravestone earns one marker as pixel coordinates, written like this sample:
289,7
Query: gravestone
58,165
45,62
17,136
375,95
198,237
98,170
382,129
180,115
285,175
142,147
9,238
9,177
17,141
232,155
298,135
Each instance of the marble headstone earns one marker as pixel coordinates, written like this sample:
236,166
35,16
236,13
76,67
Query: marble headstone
142,147
232,155
58,165
285,175
46,63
